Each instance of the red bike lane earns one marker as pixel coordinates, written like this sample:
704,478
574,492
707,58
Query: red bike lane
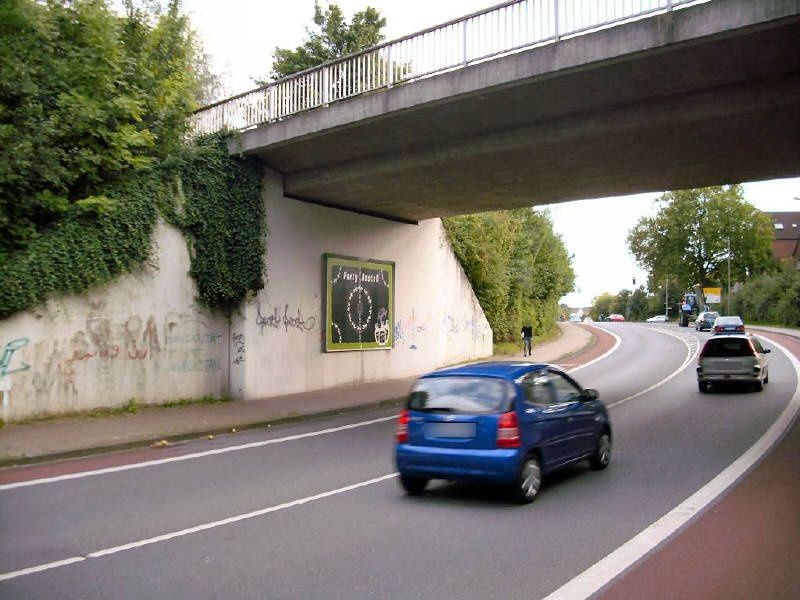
745,546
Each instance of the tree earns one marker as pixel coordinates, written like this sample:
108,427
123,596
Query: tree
517,266
85,97
601,305
689,236
332,38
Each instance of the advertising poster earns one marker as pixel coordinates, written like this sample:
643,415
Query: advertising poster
359,303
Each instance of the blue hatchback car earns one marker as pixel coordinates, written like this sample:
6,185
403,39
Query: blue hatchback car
500,422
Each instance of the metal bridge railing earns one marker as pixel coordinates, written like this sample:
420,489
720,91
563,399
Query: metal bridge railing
492,32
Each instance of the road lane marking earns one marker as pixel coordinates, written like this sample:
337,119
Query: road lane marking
608,568
690,354
172,459
196,529
248,446
604,355
40,568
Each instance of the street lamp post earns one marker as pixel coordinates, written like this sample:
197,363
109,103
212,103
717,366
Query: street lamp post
729,275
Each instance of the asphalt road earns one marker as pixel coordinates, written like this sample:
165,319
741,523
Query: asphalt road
322,516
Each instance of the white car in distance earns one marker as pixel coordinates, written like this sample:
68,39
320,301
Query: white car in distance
658,319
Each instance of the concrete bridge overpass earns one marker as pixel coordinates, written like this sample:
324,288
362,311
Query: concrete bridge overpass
705,95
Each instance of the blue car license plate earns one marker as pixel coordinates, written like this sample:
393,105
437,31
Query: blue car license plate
449,430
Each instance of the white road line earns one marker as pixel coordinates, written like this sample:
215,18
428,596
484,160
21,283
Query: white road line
163,461
604,355
605,570
204,527
689,357
39,568
194,455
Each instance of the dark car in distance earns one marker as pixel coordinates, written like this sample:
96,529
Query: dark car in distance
728,325
499,422
705,320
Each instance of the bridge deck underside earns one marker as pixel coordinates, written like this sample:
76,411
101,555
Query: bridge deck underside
549,125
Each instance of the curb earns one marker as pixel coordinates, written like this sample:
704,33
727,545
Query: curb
787,332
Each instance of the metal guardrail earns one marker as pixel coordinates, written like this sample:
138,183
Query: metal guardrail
495,31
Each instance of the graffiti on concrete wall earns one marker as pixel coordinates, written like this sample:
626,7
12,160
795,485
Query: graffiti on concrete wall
238,348
276,320
182,344
7,358
406,330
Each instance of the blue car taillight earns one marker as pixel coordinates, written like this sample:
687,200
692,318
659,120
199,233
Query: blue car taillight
508,431
401,433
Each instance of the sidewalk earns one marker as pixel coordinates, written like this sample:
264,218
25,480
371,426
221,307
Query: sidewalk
62,437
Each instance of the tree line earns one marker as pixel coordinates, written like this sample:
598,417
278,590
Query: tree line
696,238
517,265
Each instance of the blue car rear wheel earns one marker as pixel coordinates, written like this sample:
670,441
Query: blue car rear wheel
529,482
414,486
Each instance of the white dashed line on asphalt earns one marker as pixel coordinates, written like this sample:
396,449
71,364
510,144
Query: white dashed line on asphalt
198,528
690,354
172,459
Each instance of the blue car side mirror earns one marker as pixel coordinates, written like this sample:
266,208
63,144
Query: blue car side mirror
590,394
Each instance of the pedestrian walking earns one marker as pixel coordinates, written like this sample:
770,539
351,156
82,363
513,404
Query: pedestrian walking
527,338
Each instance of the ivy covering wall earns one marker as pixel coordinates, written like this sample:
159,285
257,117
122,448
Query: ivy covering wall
219,209
215,199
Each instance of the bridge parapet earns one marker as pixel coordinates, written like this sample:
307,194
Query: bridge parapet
483,35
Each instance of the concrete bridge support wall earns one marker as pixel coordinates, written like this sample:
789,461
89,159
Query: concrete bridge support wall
437,321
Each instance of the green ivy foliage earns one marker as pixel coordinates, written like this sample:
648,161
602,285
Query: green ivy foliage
223,216
213,197
89,247
517,266
93,109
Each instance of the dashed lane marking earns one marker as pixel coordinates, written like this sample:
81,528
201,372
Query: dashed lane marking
182,532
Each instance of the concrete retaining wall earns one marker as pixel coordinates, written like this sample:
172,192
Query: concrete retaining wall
143,337
438,320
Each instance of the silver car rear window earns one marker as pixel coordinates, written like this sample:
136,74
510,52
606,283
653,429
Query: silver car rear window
471,395
727,348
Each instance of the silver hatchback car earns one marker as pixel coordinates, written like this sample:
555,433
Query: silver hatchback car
733,358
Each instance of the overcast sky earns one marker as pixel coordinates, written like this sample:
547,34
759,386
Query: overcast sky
241,35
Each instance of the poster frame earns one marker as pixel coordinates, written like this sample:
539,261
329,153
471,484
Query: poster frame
330,259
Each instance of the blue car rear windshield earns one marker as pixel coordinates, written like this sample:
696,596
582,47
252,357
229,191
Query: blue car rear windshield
470,395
